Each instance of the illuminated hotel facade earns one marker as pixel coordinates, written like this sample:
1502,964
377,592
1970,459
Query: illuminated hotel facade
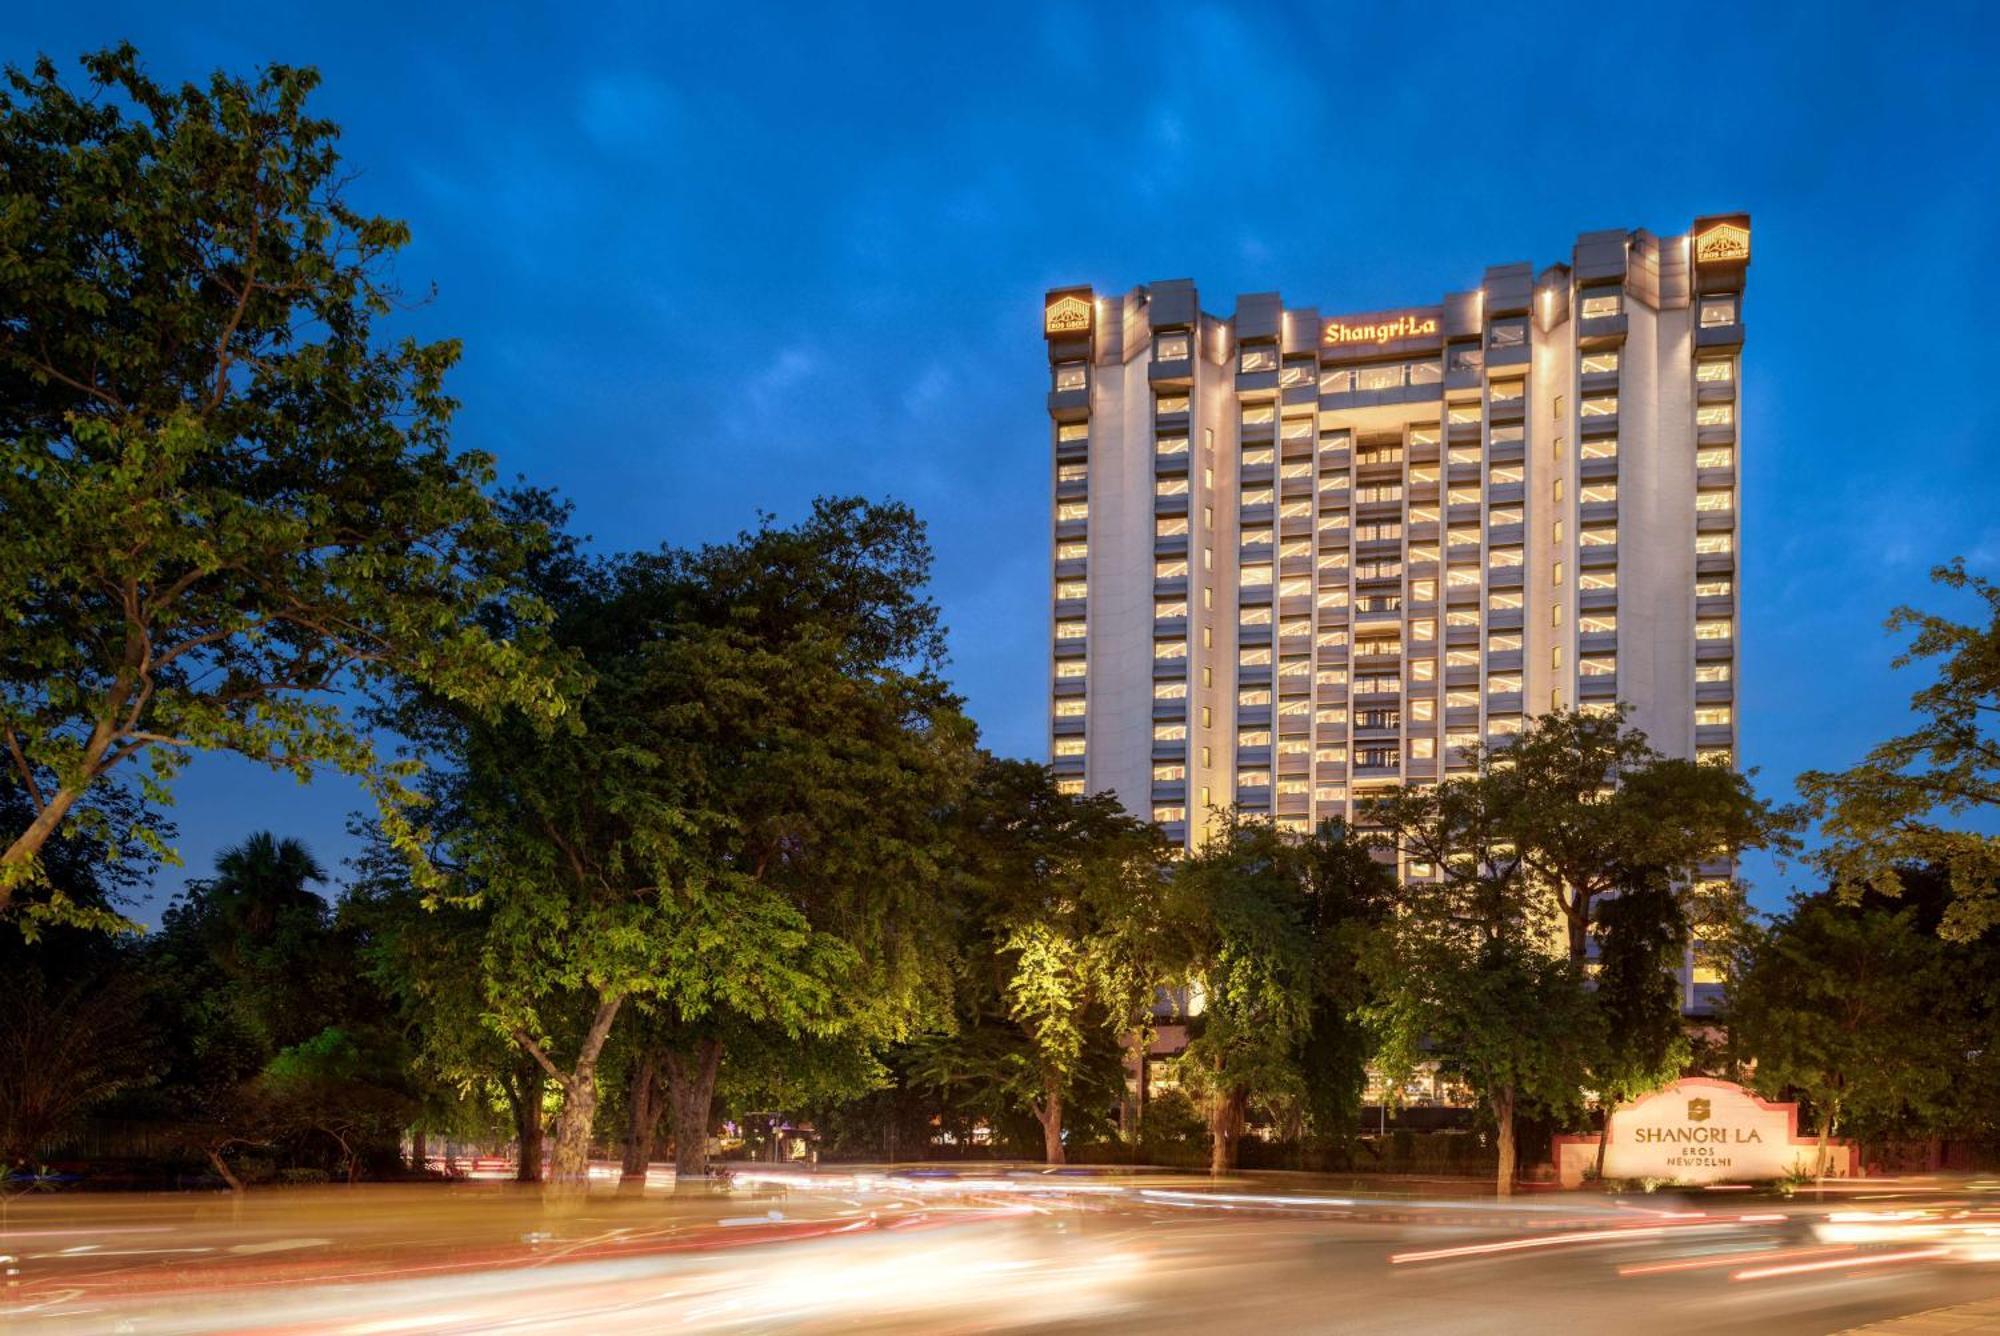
1298,559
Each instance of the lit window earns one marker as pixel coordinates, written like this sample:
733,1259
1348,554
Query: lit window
1169,649
1379,377
1598,580
1296,429
1501,601
1597,305
1296,371
1070,788
1252,697
1503,556
1255,576
1426,373
1169,772
1072,549
1710,716
1504,642
1722,588
1507,391
1168,813
1711,672
1715,457
1171,347
1254,656
1721,756
1423,709
1719,500
1592,493
1503,474
1257,359
1072,510
1601,405
1713,628
1170,447
1597,623
1462,414
1599,448
1170,526
1171,487
1503,725
1259,415
1503,684
1720,310
1069,630
1069,668
1170,690
1072,589
1256,535
1596,665
1070,376
1069,746
1501,516
1715,370
1709,544
1170,570
1714,415
1299,588
1169,732
1597,535
1170,405
1253,779
1462,577
1070,708
1073,431
1595,364
1255,455
1507,334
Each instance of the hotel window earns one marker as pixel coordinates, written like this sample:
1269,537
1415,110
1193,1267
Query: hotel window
1257,359
1593,493
1296,626
1070,376
1503,474
1171,447
1171,487
1463,496
1714,588
1331,677
1170,526
1461,658
1421,591
1067,589
1423,670
1715,415
1169,813
1711,716
1715,370
1597,364
1378,492
1252,738
1507,391
1461,700
1423,552
1256,616
1461,739
1597,535
1504,642
1375,533
1070,788
1254,656
1422,474
1597,665
1599,709
1256,535
1069,746
1298,472
1715,457
1073,510
1072,549
1338,381
1169,772
1466,357
1295,665
1170,570
1296,371
1069,708
1170,732
1377,686
1503,556
1711,672
1258,415
1253,697
1069,668
1164,650
1170,690
1597,623
1500,601
1500,516
1709,544
1605,447
1363,648
1597,305
1714,756
1379,377
1464,414
1380,454
1423,514
1255,456
1299,588
1253,779
1296,429
1170,405
1512,433
1295,510
1171,347
1507,334
1720,500
1719,310
1601,405
1256,496
1426,373
1503,684
1503,725
1598,580
1069,630
1292,787
1330,793
1712,628
1423,710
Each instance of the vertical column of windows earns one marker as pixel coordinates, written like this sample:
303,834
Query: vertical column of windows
1333,487
1594,550
1505,536
1071,588
1715,374
1174,545
1463,586
1258,580
1424,512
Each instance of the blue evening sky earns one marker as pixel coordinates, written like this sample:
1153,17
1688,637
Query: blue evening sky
707,259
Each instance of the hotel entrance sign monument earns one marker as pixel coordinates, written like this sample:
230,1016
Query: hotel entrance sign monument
1700,1130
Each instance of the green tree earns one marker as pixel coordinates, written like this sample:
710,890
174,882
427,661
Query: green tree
225,496
1851,1006
1469,968
1642,935
1064,904
1265,921
1918,799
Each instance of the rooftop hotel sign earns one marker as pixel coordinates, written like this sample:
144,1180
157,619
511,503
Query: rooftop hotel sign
1724,243
1067,313
1699,1130
1385,329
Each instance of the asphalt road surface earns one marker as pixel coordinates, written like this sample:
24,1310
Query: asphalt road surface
993,1250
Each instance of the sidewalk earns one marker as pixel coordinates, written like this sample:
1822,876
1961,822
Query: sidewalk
1970,1319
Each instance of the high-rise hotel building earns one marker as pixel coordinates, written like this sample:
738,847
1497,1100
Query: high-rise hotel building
1298,558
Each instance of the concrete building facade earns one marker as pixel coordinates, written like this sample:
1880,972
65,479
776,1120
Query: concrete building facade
1298,558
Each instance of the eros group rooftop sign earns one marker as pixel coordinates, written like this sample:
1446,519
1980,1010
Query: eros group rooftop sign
1700,1130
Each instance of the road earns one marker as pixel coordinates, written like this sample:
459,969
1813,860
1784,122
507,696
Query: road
995,1250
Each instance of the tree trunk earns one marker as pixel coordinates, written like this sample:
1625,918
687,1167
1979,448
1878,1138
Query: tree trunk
1225,1128
690,1097
420,1156
523,1087
569,1162
1579,930
642,1115
1502,1103
1603,1136
1826,1121
27,846
222,1167
1049,1113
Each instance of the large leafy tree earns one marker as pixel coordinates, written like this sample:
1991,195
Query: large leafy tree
1064,944
742,826
1856,1008
1920,799
1267,937
225,495
1643,937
